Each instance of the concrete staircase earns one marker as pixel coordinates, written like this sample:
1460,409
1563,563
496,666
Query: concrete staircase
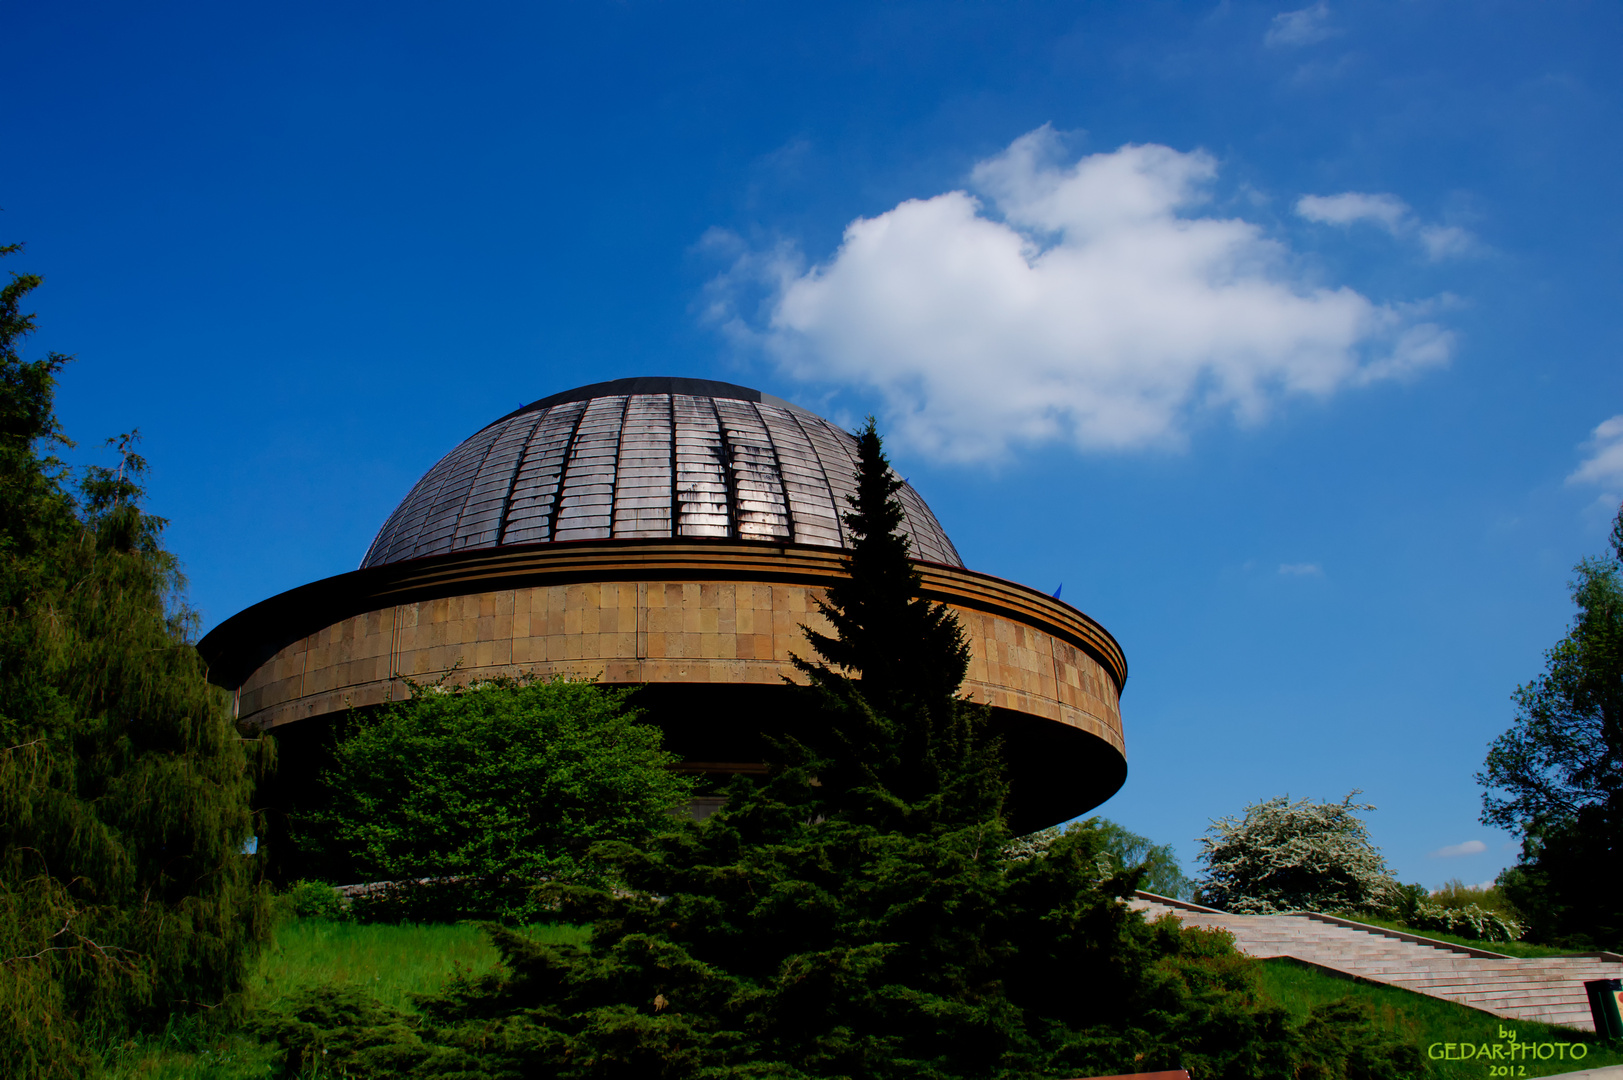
1547,990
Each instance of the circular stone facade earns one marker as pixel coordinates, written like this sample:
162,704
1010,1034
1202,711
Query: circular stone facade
674,534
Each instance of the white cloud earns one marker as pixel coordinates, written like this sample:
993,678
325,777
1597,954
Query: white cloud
1083,302
1301,569
1454,851
1304,27
1604,465
1390,213
1387,211
1446,241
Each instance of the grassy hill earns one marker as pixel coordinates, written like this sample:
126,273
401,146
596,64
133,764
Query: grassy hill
1428,1021
394,961
399,961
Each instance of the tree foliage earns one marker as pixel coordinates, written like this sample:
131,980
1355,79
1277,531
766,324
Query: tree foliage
896,747
858,913
1472,921
1556,776
1294,856
124,787
488,788
1157,864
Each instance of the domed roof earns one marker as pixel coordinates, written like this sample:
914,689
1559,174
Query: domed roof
646,458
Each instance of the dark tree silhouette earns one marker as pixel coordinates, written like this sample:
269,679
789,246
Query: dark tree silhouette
897,743
1556,776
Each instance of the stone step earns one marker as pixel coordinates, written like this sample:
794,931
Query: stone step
1412,967
1465,978
1522,988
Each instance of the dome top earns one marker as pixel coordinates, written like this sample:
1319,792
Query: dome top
644,458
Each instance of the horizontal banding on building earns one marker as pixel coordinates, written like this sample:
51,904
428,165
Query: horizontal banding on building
673,534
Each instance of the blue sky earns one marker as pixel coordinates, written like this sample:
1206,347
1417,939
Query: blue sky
1285,337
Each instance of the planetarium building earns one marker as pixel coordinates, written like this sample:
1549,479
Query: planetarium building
671,534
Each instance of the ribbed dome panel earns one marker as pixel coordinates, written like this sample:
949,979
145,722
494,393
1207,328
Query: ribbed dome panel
643,459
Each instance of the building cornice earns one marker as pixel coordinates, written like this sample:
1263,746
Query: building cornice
240,644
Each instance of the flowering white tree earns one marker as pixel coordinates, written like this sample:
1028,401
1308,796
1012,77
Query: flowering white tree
1294,856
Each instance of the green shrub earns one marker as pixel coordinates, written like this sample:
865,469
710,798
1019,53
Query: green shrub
322,1030
468,796
1470,921
1156,864
1480,914
762,943
1405,900
315,900
1456,894
1345,1040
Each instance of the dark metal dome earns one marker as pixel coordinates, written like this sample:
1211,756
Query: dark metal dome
646,458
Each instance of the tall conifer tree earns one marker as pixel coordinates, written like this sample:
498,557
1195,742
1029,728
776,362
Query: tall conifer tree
897,743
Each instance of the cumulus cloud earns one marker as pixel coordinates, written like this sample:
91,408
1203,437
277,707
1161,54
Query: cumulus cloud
1390,213
1085,301
1301,569
1302,27
1454,851
1604,463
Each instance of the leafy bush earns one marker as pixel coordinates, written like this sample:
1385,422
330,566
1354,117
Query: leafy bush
315,900
1455,893
1488,898
466,796
1343,1040
1156,864
318,1028
1470,921
763,943
1403,902
1295,856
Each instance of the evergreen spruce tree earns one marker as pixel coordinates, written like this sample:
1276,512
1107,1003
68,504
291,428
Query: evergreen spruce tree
860,914
897,747
124,787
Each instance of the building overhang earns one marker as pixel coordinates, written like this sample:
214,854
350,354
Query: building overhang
707,626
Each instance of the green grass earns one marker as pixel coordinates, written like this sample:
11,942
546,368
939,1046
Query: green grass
394,962
1429,1020
1509,948
186,1051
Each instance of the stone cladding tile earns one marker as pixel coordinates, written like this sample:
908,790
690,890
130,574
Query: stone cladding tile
731,632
